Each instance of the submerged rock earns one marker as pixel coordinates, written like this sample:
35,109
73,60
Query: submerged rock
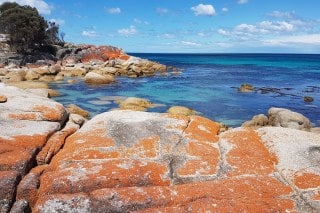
181,110
246,88
308,99
136,104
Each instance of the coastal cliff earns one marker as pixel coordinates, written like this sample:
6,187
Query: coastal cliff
123,161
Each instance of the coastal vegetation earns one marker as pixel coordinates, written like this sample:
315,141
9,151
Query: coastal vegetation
27,30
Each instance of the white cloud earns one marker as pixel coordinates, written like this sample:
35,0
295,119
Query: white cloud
190,43
162,11
278,14
203,10
262,28
128,31
41,5
138,21
114,10
225,9
243,1
58,21
89,34
310,39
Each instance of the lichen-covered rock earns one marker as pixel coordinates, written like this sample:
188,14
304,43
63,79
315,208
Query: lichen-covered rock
26,122
124,161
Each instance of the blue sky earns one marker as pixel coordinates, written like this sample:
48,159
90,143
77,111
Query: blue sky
214,26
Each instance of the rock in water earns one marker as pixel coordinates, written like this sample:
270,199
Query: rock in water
136,104
94,78
289,119
181,110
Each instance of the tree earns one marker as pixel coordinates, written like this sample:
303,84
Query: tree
26,28
52,33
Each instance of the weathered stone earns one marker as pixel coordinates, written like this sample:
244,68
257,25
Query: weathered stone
3,99
29,85
246,88
133,103
74,109
124,161
16,76
20,206
308,99
180,110
289,119
94,78
29,185
32,75
40,92
55,142
257,121
8,183
47,78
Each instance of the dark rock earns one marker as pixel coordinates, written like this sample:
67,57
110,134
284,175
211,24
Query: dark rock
308,99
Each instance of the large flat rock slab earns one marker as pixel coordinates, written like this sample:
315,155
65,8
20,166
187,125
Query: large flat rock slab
123,161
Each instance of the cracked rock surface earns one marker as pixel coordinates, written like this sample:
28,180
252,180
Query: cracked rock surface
124,161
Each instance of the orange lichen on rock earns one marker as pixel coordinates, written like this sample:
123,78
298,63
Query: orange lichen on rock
28,187
202,129
23,116
307,180
86,176
56,113
54,144
205,162
145,148
248,155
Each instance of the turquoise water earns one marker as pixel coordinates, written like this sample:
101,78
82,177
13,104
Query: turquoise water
209,83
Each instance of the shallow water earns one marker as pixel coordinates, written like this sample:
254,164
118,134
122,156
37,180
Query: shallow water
208,84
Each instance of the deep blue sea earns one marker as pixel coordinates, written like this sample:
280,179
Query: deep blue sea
208,84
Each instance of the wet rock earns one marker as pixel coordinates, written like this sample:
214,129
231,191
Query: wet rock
181,110
133,103
289,119
308,99
94,78
246,88
74,109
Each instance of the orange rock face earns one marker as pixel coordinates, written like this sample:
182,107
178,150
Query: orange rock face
125,161
103,53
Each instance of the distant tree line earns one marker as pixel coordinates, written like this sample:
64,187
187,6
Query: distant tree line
27,29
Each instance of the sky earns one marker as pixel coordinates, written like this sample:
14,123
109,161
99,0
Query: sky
188,26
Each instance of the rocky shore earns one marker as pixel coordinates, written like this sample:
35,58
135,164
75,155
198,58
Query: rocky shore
131,161
52,159
98,65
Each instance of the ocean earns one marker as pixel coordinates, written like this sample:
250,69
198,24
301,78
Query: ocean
209,84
